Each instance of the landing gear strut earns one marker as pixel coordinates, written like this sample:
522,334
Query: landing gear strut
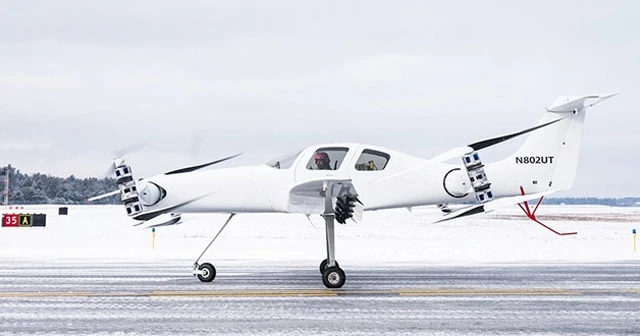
332,275
206,272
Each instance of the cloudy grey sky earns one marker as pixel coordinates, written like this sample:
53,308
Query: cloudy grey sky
199,80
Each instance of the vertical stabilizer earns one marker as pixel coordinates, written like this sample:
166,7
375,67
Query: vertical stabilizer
548,159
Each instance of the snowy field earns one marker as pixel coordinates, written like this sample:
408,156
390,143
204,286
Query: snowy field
392,237
91,272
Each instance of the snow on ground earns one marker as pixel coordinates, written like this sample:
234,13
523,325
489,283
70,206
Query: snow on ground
394,236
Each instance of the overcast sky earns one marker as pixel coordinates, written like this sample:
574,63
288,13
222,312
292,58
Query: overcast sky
197,81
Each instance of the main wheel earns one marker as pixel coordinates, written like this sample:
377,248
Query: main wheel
333,277
208,272
323,266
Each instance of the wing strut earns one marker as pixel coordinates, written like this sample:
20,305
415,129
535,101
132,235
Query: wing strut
532,215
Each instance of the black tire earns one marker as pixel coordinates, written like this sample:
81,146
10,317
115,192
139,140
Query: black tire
209,272
333,277
323,266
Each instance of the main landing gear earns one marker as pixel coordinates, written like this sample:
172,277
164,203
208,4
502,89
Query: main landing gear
332,275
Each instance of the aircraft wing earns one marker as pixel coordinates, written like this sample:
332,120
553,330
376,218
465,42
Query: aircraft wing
309,197
492,205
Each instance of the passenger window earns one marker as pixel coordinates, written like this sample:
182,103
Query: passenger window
329,158
372,160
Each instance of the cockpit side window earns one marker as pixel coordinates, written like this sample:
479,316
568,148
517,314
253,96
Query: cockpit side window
372,160
328,158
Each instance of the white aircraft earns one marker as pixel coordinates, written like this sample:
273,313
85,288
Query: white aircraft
339,181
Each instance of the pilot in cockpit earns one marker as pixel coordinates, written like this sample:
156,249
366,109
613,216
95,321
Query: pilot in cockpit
322,161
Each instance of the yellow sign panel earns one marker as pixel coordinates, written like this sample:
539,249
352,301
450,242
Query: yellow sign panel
25,220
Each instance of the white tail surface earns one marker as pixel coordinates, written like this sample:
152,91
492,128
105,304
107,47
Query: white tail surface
548,159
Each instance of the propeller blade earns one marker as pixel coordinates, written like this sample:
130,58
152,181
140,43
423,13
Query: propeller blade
486,143
476,146
128,150
109,194
193,168
110,170
118,157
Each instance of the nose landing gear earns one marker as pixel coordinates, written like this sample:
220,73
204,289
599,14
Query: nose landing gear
206,272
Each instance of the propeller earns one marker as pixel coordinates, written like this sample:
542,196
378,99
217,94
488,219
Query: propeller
118,157
486,143
192,168
109,194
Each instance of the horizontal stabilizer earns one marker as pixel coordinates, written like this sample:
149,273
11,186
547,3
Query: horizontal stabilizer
468,211
162,220
570,104
492,205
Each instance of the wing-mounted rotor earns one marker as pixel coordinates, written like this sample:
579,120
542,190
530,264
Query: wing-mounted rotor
140,196
136,196
129,193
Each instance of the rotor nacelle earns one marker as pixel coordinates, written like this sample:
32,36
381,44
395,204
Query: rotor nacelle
456,183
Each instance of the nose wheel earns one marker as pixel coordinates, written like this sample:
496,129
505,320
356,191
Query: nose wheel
206,272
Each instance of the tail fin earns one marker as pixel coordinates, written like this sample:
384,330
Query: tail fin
549,156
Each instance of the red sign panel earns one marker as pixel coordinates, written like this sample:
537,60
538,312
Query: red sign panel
10,220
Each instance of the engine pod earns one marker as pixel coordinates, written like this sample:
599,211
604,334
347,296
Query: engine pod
150,193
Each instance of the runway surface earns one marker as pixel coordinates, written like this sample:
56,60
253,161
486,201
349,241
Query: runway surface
97,297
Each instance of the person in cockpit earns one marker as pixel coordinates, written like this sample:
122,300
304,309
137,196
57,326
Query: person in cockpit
322,161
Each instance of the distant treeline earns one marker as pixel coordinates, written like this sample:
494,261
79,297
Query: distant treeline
620,202
46,189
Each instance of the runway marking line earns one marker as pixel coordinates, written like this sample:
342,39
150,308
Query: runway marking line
482,292
325,293
246,293
44,294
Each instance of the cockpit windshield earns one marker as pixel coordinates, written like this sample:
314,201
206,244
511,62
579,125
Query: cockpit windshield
284,161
